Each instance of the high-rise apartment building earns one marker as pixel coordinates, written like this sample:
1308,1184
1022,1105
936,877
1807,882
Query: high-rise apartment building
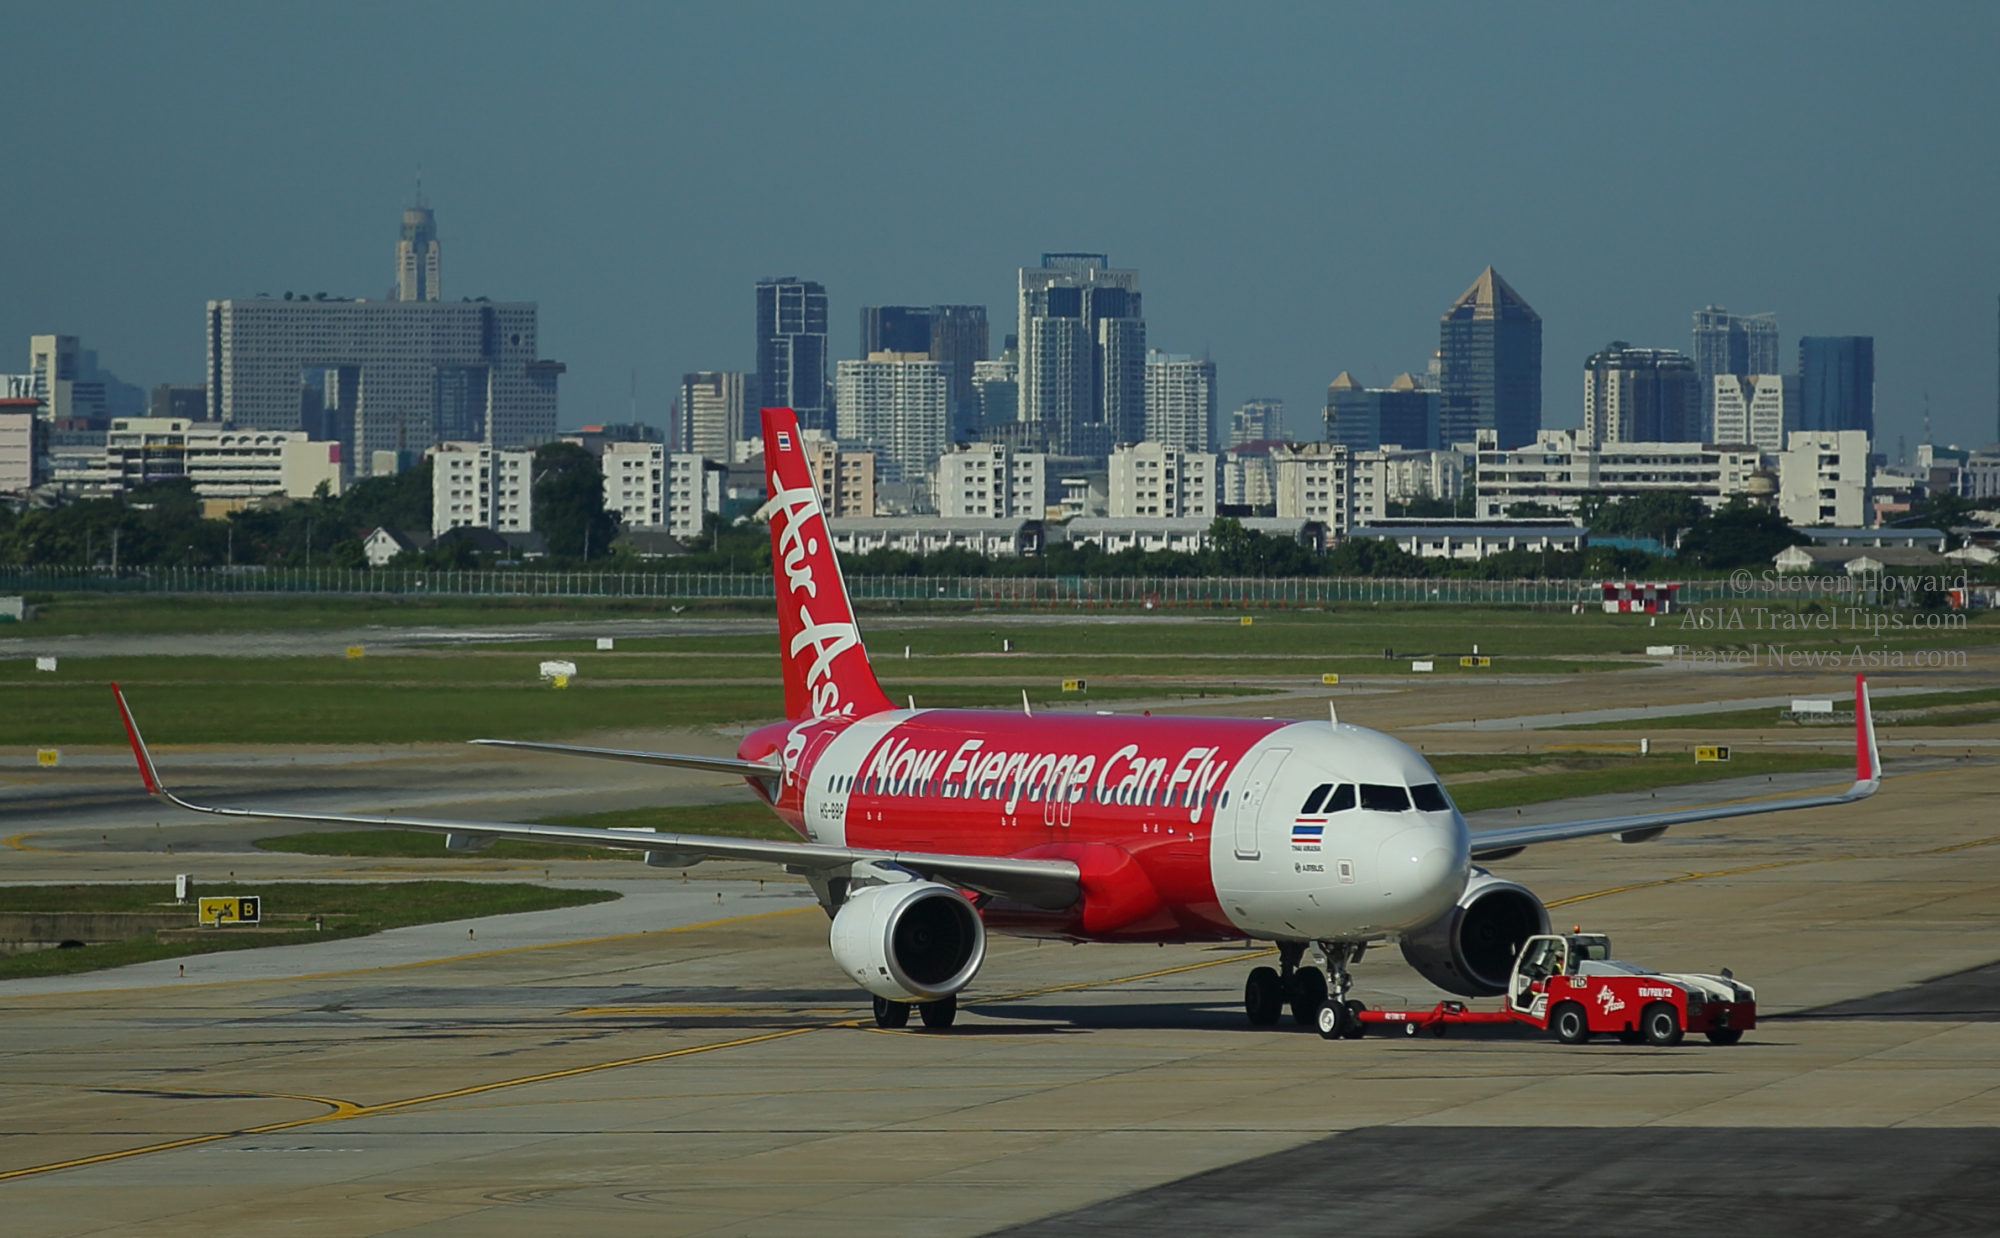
1378,479
1640,395
419,264
1837,383
23,444
1757,409
714,407
1364,418
65,377
635,483
791,352
1083,353
474,486
1257,421
1491,372
955,336
898,405
1180,400
694,493
1162,479
1726,343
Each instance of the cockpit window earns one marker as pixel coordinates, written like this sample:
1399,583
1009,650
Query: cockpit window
1314,800
1430,798
1377,798
1342,798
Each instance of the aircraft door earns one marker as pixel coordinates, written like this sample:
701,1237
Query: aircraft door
1248,802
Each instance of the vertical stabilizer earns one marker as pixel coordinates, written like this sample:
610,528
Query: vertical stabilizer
827,674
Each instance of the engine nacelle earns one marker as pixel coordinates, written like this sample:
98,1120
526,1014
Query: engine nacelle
1470,949
911,942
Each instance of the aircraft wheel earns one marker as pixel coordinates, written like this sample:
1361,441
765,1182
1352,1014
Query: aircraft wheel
1724,1035
1263,996
891,1014
1662,1024
1308,995
1570,1024
1356,1029
940,1014
1409,1029
1331,1021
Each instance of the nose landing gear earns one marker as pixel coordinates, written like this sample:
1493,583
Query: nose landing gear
1315,1003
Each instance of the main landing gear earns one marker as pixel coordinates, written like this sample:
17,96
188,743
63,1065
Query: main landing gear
1306,990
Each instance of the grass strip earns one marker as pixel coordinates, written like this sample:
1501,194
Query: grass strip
347,910
1767,718
1614,775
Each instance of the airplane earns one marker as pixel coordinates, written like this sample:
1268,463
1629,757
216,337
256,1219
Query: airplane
921,830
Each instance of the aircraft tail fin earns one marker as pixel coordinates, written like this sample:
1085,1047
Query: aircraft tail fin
827,673
1867,757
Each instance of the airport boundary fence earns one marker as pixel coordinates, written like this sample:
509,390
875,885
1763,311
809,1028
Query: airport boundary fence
1000,592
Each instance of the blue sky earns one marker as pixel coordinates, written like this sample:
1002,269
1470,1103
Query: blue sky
1304,188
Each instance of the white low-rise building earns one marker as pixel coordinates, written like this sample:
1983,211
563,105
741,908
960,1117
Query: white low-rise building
694,493
1823,478
1161,480
229,467
1474,541
1312,483
991,480
1392,475
1557,470
635,483
1188,535
1003,538
474,486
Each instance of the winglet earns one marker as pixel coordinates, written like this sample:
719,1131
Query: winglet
1867,758
147,771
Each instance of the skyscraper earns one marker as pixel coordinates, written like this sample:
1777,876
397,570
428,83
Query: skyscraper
1726,343
1837,383
1083,353
791,351
1257,421
1363,419
898,405
1758,409
1640,395
713,407
418,263
1180,401
1491,372
954,336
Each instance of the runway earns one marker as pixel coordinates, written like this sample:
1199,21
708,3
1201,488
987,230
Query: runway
686,1060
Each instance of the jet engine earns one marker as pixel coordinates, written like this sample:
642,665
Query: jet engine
911,942
1470,949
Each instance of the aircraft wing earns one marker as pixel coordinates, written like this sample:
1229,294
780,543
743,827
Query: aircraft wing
1052,884
1499,844
713,765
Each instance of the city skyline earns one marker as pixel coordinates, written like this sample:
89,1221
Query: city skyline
1284,288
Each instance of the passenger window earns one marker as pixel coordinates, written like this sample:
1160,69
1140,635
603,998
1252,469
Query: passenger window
1317,798
1376,798
1342,798
1430,798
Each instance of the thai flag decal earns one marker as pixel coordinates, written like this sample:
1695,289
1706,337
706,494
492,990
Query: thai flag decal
1307,833
784,440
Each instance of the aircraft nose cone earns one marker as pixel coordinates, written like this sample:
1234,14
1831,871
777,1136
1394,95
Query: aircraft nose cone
1422,871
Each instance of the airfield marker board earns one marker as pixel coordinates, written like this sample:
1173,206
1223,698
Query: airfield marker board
218,911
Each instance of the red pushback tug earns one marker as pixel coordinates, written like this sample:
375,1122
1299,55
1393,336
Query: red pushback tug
1568,984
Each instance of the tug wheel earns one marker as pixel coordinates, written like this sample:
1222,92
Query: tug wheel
1570,1024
